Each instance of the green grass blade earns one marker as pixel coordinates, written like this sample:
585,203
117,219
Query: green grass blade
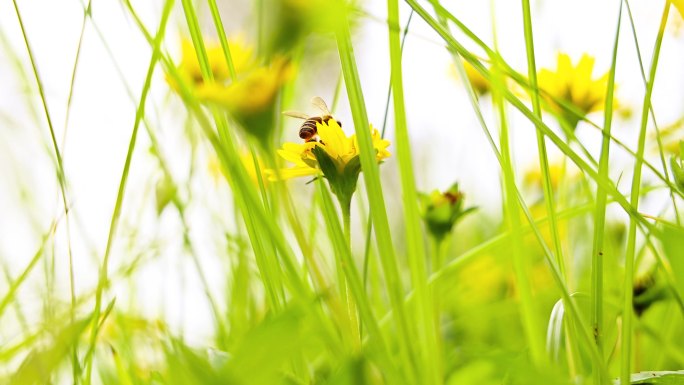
541,143
250,205
11,291
140,111
343,253
626,338
663,163
61,176
601,200
431,372
559,142
218,24
376,199
529,311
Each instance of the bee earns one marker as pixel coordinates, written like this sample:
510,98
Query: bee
308,130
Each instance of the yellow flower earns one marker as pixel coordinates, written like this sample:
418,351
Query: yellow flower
479,83
680,6
253,92
189,67
572,91
533,176
216,170
251,98
481,281
342,150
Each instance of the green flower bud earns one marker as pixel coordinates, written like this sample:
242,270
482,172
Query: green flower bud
441,210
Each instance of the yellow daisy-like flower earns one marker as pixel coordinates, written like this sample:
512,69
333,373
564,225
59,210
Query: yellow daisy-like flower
189,67
252,93
572,91
341,149
250,97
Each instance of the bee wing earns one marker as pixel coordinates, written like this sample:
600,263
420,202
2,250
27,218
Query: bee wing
296,114
318,102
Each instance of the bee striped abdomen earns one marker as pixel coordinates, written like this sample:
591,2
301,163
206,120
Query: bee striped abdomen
308,130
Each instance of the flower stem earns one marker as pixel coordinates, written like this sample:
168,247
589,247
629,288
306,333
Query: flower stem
345,206
437,261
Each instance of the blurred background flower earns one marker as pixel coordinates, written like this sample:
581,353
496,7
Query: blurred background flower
573,91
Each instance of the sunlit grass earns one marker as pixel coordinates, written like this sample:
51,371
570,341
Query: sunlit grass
574,281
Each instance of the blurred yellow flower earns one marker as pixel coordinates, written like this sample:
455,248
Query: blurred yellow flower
250,97
189,66
533,176
540,214
572,91
342,150
482,280
216,171
477,81
679,4
252,93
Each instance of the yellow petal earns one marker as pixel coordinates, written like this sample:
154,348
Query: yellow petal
573,85
680,6
582,84
289,173
334,140
379,144
565,70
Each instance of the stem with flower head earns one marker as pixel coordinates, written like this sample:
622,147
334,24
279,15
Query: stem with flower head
342,181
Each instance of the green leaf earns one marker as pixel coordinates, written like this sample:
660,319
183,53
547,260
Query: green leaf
663,377
264,353
187,366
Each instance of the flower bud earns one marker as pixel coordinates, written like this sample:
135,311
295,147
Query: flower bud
441,210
